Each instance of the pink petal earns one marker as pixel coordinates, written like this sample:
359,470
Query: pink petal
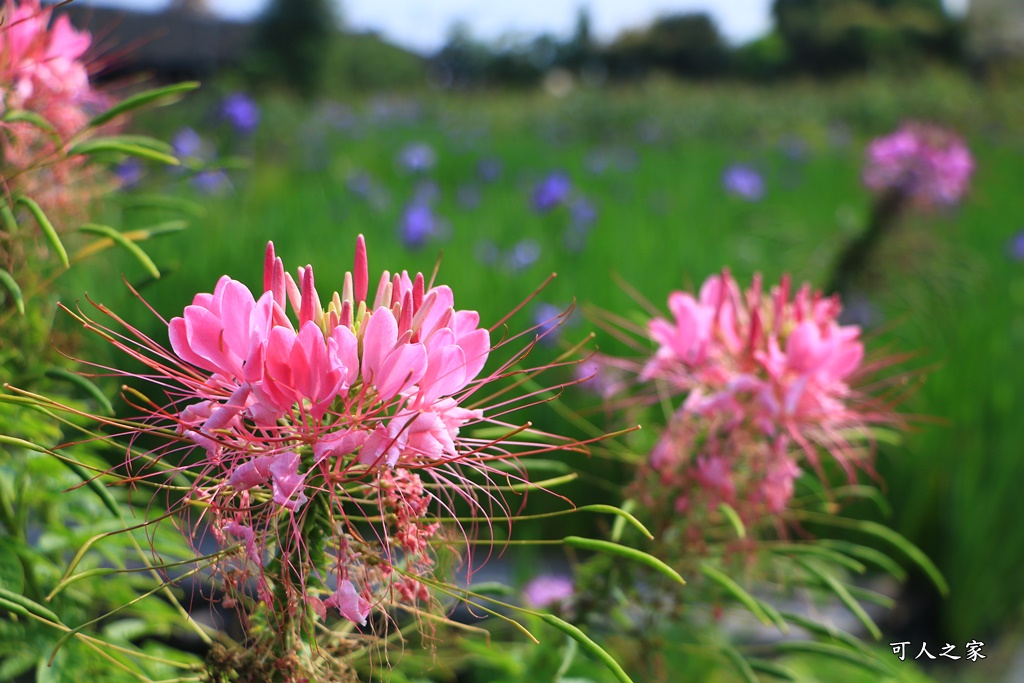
352,606
379,338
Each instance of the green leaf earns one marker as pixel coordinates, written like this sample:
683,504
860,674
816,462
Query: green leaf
844,596
47,227
771,669
588,645
161,201
83,383
741,664
737,591
24,116
870,555
12,576
814,550
130,246
885,533
165,95
9,283
734,519
142,141
827,631
626,552
10,222
112,144
835,652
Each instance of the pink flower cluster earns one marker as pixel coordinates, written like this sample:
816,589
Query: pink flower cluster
339,411
42,72
928,164
765,376
42,67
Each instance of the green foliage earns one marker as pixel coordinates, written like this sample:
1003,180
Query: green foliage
292,38
836,36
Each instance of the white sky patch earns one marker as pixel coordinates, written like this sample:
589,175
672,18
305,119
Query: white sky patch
425,24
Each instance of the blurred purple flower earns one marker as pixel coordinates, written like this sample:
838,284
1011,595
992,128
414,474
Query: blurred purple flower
489,169
794,148
599,378
547,318
859,310
129,173
523,255
187,144
548,590
1016,246
744,182
584,214
212,181
419,157
551,192
241,111
417,225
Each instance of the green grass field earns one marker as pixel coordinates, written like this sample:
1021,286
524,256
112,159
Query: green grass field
944,289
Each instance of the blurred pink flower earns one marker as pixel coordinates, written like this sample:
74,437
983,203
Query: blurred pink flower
929,164
765,380
548,590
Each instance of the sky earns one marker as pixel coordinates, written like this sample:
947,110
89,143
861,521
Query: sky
423,25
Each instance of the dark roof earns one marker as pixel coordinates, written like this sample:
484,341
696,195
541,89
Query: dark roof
171,43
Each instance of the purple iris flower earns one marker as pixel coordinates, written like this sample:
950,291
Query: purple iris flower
523,255
187,144
489,170
744,182
418,224
241,111
129,172
1016,246
418,157
551,192
546,318
211,181
584,214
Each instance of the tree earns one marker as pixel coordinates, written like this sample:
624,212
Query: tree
685,44
833,36
292,40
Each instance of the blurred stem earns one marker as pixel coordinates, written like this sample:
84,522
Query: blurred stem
857,255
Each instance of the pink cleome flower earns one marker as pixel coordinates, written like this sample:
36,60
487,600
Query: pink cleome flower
929,164
347,417
42,72
763,373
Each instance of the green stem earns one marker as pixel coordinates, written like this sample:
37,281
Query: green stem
857,255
